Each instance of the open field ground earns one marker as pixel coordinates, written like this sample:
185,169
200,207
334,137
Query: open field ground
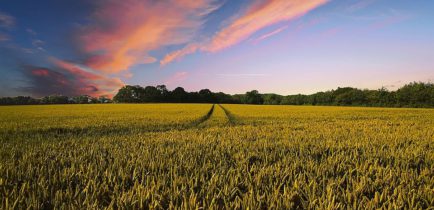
204,156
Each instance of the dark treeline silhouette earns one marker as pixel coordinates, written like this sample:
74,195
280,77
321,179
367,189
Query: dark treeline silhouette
160,94
416,94
53,99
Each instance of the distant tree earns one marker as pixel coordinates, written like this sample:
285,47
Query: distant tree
152,94
84,99
385,98
253,97
349,96
92,100
194,97
207,96
129,94
55,99
19,100
416,94
239,98
224,98
179,95
272,99
322,98
165,94
104,99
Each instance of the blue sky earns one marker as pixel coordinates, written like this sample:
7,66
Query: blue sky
280,46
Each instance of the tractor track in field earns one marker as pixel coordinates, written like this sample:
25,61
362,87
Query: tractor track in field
229,115
204,118
60,133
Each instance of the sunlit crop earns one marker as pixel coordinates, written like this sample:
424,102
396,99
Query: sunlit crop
194,156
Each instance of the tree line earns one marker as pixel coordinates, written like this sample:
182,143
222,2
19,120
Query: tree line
416,94
54,99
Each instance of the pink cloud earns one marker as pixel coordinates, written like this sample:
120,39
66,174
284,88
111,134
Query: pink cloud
176,55
40,72
176,78
258,16
261,15
268,35
123,33
87,82
330,32
45,81
127,75
75,70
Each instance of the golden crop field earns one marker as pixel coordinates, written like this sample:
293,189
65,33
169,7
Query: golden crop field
203,156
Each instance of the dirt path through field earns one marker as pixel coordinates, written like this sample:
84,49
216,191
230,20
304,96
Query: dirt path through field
205,117
229,115
217,118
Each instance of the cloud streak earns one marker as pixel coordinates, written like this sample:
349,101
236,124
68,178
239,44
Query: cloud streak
3,37
178,54
68,79
268,35
258,16
123,33
177,77
242,75
6,21
362,4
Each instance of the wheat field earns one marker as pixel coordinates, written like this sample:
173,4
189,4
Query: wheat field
204,156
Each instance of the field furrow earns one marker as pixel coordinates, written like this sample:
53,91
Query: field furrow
218,118
231,118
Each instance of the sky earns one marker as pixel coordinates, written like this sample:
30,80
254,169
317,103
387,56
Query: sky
75,47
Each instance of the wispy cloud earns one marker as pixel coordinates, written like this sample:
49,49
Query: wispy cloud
242,75
176,78
360,4
178,54
268,35
86,77
123,33
259,15
31,32
38,44
4,37
68,79
6,21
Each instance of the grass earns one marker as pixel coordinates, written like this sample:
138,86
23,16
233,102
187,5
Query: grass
193,156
